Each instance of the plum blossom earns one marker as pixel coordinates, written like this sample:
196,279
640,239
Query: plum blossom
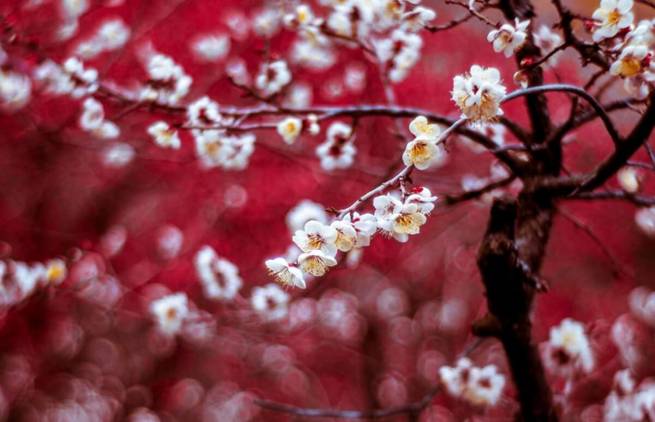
423,150
418,18
316,262
401,52
645,220
93,120
289,129
346,235
547,40
338,151
78,80
633,60
398,219
211,47
168,82
316,236
270,301
273,77
478,386
509,38
629,179
15,90
285,273
216,149
613,15
629,402
568,351
164,135
422,197
204,112
479,93
365,226
111,35
219,277
170,312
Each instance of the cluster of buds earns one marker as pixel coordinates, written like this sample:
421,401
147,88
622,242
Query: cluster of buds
72,78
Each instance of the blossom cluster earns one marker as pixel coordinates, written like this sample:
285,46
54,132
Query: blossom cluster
319,241
475,385
628,401
629,47
386,27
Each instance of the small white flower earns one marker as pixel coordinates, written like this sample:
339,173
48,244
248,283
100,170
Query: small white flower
409,220
301,16
168,82
93,120
346,235
112,34
289,129
211,47
568,350
418,18
509,38
422,197
273,77
613,15
421,153
632,61
316,236
547,40
421,128
164,135
316,262
397,219
629,179
55,271
204,112
365,225
72,9
478,386
15,90
338,151
478,94
170,312
219,277
266,23
270,301
645,220
285,273
80,81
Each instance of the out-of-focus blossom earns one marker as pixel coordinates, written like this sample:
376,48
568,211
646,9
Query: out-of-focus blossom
273,77
219,277
338,151
15,90
568,351
164,135
270,301
305,211
509,38
289,129
645,220
168,82
547,40
170,312
478,386
211,47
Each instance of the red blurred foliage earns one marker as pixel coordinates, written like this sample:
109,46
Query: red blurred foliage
368,337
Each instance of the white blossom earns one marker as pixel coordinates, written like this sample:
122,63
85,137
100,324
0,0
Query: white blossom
478,386
289,129
77,80
164,135
645,220
266,22
478,94
568,351
346,235
15,90
316,262
338,151
93,120
273,77
613,16
170,312
168,82
629,179
270,301
204,112
316,236
422,197
285,273
211,47
547,40
507,39
219,277
633,60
